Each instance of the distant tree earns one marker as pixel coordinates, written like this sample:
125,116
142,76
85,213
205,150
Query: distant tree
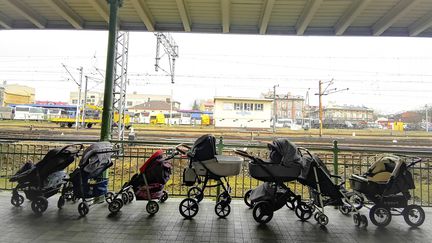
195,105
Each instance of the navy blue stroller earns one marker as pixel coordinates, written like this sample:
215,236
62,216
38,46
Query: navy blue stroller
44,179
85,181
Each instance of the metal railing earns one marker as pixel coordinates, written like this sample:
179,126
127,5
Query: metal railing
339,160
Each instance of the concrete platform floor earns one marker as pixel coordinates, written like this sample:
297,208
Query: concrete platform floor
133,224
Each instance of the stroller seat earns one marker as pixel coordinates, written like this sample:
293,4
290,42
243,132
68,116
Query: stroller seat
273,172
220,165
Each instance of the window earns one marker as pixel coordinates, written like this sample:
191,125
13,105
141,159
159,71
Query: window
74,101
92,96
259,107
129,103
248,106
237,106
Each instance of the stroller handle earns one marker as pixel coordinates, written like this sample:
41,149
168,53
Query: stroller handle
244,154
183,148
81,146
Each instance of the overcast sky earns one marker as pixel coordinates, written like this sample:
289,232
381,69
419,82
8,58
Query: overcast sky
383,73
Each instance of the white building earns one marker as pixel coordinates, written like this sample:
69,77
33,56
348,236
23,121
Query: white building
242,112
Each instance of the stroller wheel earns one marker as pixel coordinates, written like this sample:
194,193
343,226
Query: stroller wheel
188,208
39,205
364,220
247,200
291,203
109,197
322,219
222,209
356,219
262,212
344,209
414,215
17,200
115,206
131,196
152,207
380,216
356,201
125,198
303,211
316,215
164,197
196,193
61,202
83,209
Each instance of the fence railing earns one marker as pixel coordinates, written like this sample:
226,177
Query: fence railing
339,160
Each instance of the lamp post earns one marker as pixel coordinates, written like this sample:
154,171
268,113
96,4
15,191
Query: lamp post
427,119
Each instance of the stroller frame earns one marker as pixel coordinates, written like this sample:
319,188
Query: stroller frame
319,205
393,204
67,191
189,207
117,200
36,193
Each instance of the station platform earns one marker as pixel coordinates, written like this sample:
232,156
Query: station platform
133,224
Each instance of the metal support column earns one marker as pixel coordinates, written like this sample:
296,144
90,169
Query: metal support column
109,74
120,84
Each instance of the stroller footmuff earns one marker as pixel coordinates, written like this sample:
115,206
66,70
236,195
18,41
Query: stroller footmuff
44,179
206,165
147,185
85,181
386,185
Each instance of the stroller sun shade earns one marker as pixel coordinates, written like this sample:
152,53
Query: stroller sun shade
284,152
95,158
154,156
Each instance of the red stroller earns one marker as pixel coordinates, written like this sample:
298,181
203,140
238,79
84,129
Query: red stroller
147,185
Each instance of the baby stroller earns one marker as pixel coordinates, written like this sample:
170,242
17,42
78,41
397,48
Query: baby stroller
148,184
206,165
323,191
85,182
44,179
289,163
386,184
284,166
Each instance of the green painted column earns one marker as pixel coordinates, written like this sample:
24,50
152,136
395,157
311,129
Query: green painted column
105,134
335,159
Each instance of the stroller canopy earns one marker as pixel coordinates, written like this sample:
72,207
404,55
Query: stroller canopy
284,152
157,155
204,148
96,158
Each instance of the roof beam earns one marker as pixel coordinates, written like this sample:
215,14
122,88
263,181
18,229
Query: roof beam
346,20
266,16
5,22
101,7
28,13
144,13
392,16
66,12
225,8
183,15
306,17
421,25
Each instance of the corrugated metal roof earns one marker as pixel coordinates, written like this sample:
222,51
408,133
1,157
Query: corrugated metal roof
284,17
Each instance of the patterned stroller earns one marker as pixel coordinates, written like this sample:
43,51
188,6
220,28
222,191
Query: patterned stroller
386,184
44,179
206,165
85,182
148,184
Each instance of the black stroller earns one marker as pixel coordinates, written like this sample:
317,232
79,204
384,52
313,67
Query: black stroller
147,185
85,182
386,184
44,179
288,163
206,165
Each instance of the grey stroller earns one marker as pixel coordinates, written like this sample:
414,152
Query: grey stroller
206,165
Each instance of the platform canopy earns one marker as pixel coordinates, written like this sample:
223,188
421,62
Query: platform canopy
284,17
